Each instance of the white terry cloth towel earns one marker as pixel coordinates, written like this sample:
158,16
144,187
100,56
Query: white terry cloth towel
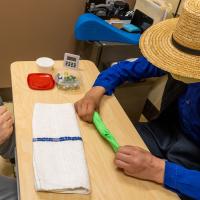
58,154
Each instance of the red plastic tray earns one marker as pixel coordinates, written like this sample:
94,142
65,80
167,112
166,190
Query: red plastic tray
40,81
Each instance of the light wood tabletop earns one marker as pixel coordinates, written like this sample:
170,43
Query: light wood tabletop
107,182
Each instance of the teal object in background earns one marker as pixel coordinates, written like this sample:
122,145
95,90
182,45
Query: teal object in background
93,28
131,28
104,132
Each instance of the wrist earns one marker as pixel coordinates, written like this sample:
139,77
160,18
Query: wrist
96,93
158,169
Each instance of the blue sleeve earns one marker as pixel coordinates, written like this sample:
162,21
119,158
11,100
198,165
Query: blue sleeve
126,71
181,180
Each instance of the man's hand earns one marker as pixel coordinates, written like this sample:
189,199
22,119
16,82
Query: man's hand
6,124
139,163
86,106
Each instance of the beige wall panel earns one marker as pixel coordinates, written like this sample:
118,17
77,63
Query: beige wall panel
132,3
34,28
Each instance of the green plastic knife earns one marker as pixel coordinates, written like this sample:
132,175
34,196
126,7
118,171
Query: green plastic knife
104,132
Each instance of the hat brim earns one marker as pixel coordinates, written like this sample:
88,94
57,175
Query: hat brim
156,45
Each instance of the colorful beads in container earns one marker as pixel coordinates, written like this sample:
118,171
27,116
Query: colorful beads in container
67,81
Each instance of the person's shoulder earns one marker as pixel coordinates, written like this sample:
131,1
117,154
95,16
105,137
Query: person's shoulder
142,59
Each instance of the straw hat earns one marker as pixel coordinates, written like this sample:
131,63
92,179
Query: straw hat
174,44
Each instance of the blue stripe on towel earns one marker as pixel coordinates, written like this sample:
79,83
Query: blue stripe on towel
60,139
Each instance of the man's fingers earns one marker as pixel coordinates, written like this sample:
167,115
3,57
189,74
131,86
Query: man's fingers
126,150
10,130
3,109
89,112
90,109
81,109
78,108
85,110
128,173
87,118
6,116
130,150
121,164
123,157
9,123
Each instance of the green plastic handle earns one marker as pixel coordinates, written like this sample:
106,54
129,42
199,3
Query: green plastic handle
104,132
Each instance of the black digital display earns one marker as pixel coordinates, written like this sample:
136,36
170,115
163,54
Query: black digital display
141,20
71,58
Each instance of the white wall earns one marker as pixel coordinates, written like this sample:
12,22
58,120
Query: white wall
175,4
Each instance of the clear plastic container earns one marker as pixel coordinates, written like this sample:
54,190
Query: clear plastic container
68,79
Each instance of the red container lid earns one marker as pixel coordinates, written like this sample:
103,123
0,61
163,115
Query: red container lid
40,81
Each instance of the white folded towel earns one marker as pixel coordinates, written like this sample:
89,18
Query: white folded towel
58,154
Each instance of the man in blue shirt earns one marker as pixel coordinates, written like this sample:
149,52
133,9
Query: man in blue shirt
173,136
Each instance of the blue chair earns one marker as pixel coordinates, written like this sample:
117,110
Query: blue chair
90,27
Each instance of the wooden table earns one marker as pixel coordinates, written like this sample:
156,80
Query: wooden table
107,183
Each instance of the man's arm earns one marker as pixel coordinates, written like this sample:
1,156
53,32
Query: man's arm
126,71
182,180
86,106
109,79
139,163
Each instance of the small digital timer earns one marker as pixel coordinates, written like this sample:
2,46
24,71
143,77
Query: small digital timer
71,60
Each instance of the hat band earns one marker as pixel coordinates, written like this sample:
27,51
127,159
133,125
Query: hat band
185,49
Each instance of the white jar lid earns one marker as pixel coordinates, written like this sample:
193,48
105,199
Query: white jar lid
45,62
